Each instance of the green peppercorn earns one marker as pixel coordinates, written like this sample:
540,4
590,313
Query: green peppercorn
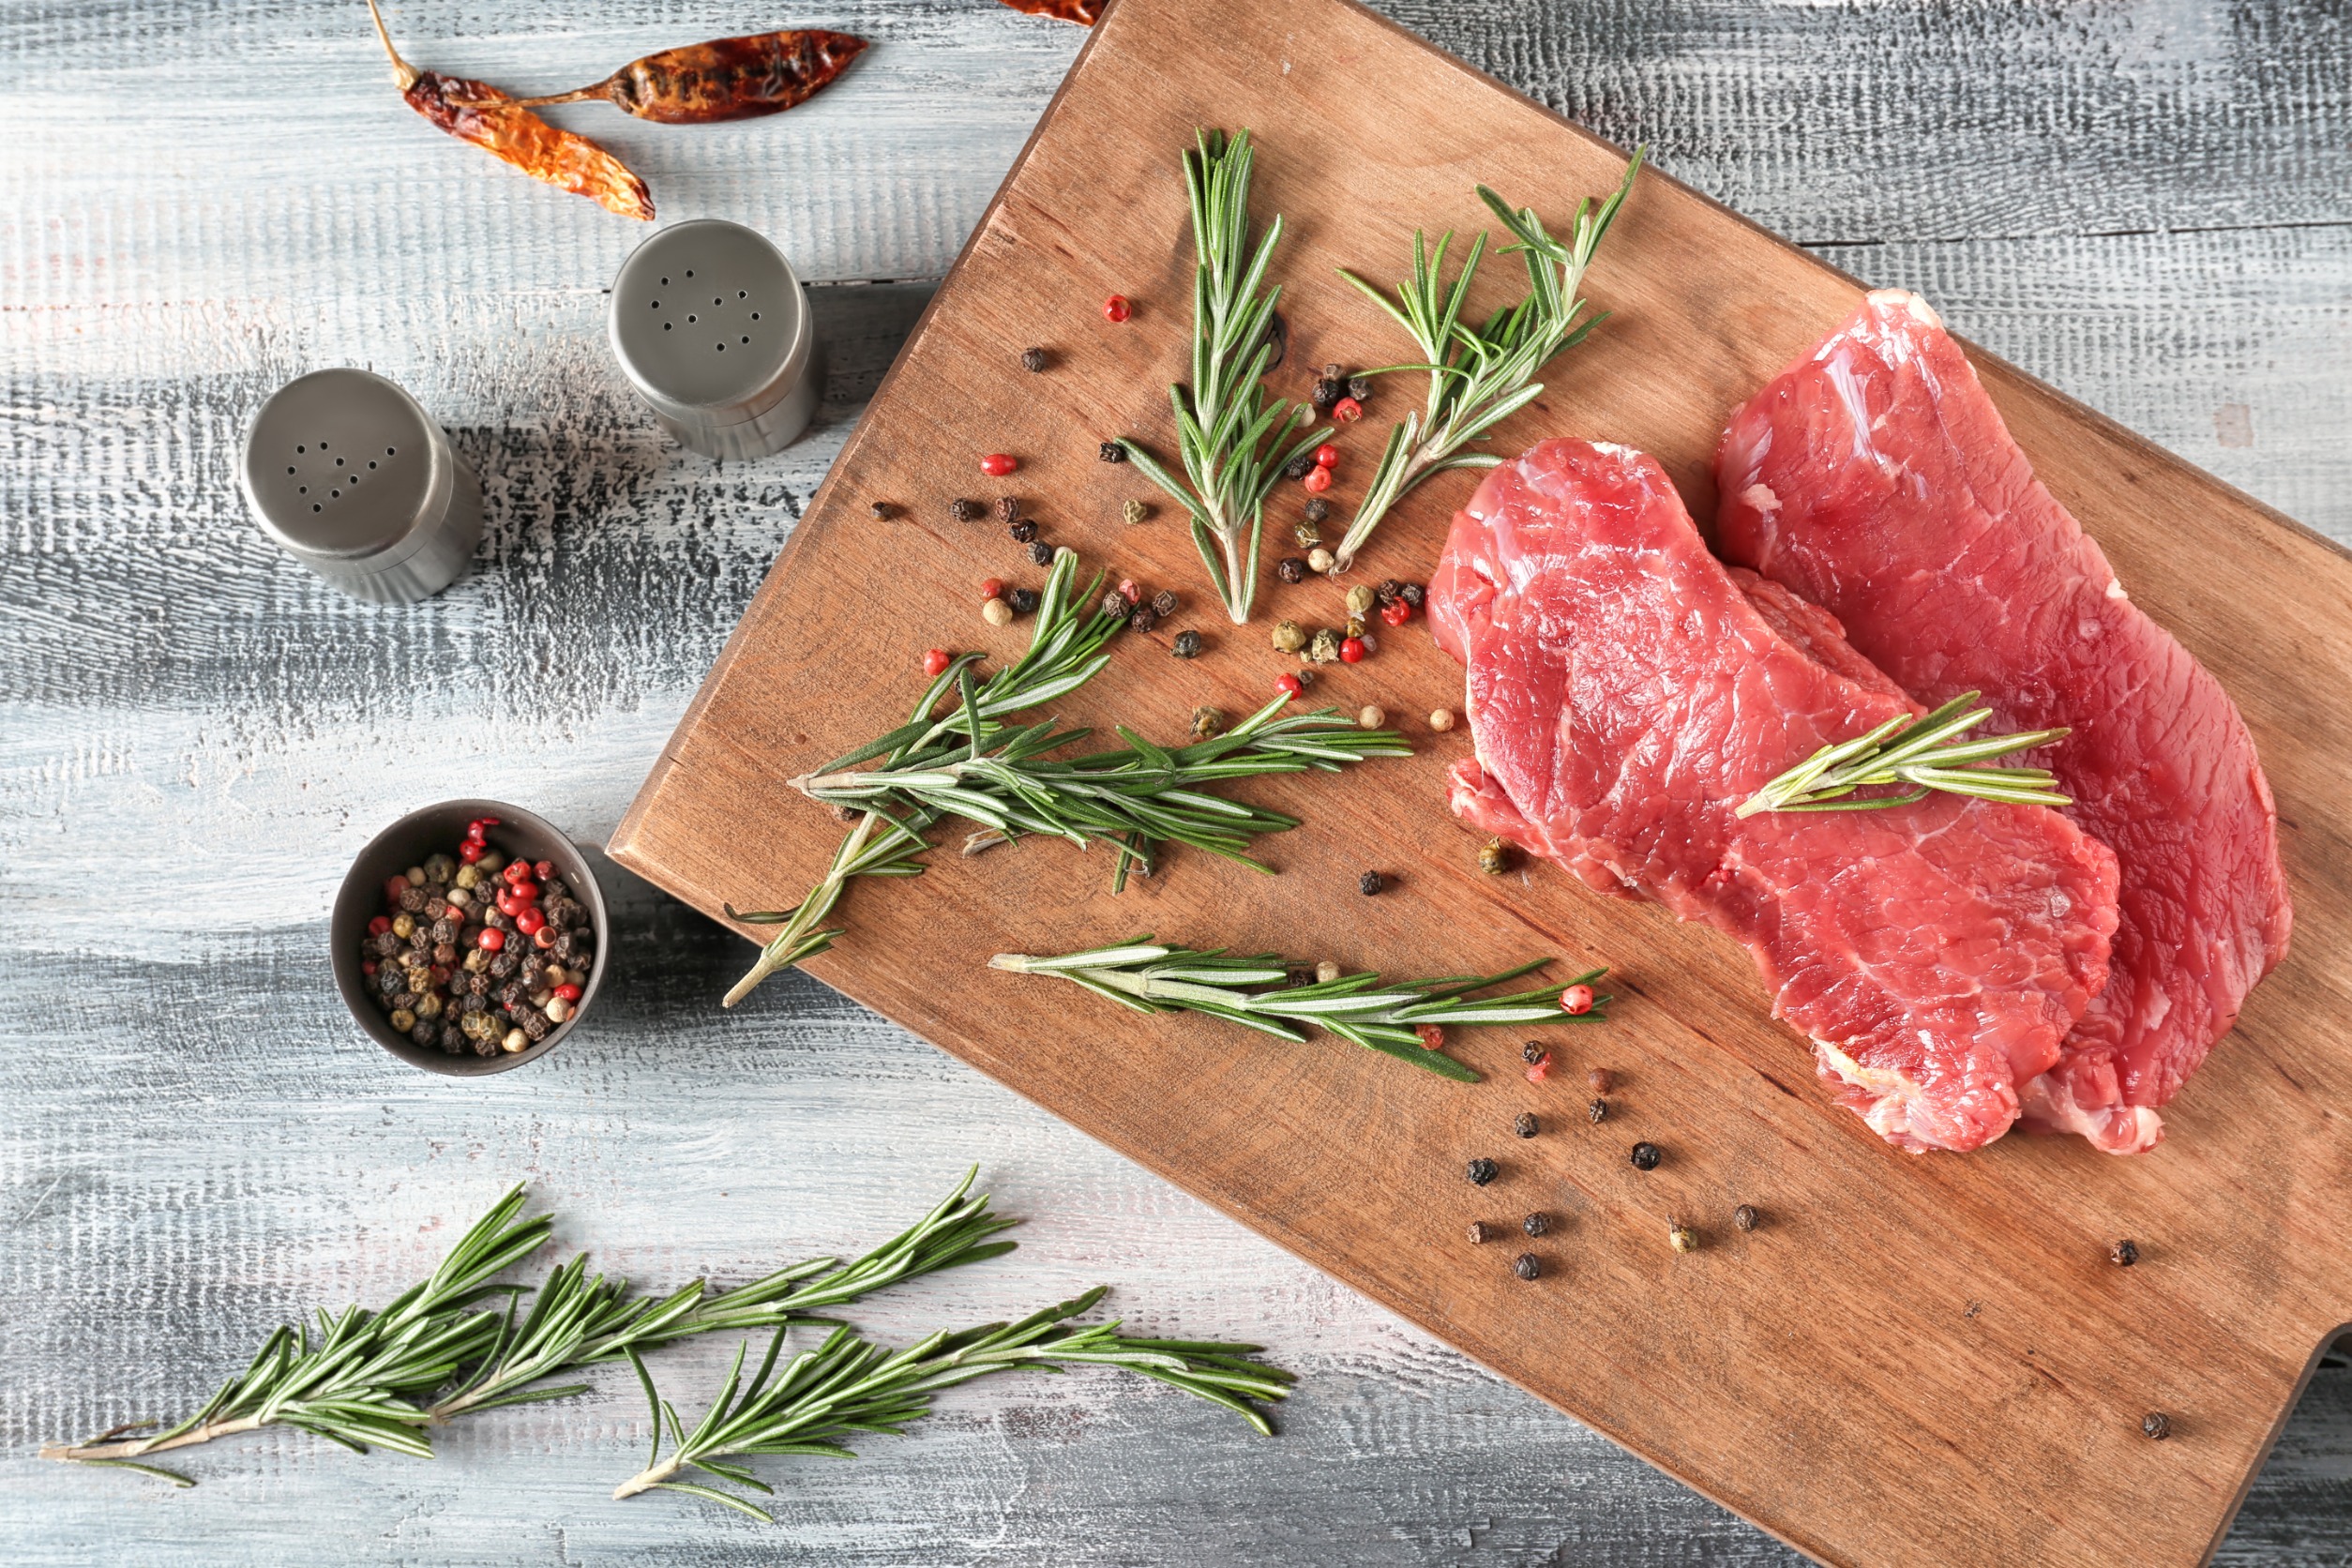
1483,1171
1526,1267
1323,647
1207,722
402,1019
1680,1237
1309,537
1187,646
1645,1156
1494,857
1135,512
1288,636
1360,599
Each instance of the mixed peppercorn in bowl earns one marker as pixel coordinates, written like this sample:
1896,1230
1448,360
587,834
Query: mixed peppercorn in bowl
467,938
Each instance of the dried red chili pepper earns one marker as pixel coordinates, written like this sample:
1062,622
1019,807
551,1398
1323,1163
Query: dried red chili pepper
727,78
479,113
1082,11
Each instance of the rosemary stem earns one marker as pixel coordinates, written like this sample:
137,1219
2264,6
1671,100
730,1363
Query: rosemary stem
790,944
646,1480
133,1448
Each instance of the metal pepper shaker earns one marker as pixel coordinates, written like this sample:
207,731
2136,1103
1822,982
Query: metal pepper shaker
348,476
709,325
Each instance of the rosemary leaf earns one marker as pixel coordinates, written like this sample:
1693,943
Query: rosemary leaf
1253,991
1923,753
1231,441
848,1384
1479,374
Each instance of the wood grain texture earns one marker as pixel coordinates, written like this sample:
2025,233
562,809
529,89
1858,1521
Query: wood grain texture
234,195
1954,1318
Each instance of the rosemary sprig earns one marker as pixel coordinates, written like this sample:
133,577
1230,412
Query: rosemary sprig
849,1385
1913,751
1066,651
1479,375
967,762
1152,979
381,1379
1229,437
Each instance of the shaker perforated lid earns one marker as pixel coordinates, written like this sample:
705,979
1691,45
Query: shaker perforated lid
343,467
709,323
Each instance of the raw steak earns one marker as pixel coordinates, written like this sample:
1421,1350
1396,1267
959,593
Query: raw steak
1627,695
1875,478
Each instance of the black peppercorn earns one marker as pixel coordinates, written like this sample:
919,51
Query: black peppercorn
1745,1216
1032,360
1164,602
1645,1156
2124,1253
424,1032
1478,1233
1008,508
1535,1225
1328,391
1526,1124
2156,1424
1359,388
1300,466
1143,618
1533,1052
1370,884
1598,1110
1482,1171
1317,509
1023,531
1526,1267
1110,451
1389,592
1290,569
1041,554
882,510
1023,601
1306,678
1115,603
1187,646
1412,593
963,510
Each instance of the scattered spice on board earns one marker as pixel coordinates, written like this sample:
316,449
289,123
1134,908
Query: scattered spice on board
1745,1216
1645,1156
1441,720
479,113
1494,857
1537,1224
1482,1171
1187,646
1034,360
1478,1233
1135,512
1370,884
1372,716
1682,1237
1526,1267
963,509
476,953
2124,1253
2156,1424
881,511
1598,1110
1600,1081
726,79
1526,1125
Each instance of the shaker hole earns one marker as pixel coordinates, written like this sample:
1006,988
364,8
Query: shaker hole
290,468
689,272
389,452
742,293
722,348
316,508
371,463
339,462
301,449
334,495
690,318
746,339
665,326
755,316
302,490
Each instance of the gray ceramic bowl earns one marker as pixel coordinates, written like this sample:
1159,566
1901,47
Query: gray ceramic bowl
438,830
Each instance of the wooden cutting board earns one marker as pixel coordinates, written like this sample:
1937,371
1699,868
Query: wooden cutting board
1913,1360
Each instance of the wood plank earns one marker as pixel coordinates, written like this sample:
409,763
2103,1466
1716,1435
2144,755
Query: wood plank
1904,1308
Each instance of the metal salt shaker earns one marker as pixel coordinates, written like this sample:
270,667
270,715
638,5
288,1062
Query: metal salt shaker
347,475
709,323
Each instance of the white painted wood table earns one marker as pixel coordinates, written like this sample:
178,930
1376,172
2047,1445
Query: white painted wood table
2148,203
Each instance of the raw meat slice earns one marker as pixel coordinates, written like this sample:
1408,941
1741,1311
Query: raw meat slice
1627,695
1875,478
